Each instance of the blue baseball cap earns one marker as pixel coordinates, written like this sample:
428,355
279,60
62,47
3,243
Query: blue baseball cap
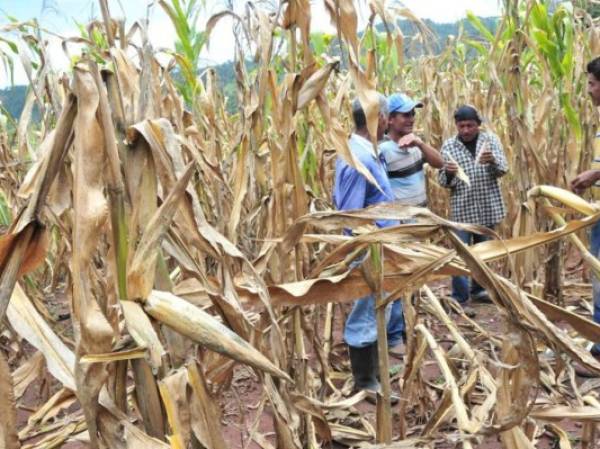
402,103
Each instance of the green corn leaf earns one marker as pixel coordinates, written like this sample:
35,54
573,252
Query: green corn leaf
479,26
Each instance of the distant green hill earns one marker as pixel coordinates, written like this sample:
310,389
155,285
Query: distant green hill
444,30
13,98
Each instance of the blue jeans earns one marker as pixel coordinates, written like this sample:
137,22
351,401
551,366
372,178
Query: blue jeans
460,284
595,250
361,325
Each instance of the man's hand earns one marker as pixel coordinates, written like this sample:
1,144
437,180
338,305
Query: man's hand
585,180
451,167
410,140
486,156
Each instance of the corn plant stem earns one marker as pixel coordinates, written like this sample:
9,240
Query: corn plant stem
301,371
116,190
8,412
300,349
8,279
328,330
116,103
111,42
62,142
115,178
119,228
374,47
339,34
293,49
384,407
106,17
414,354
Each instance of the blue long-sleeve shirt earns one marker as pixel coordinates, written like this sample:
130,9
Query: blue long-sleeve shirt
352,190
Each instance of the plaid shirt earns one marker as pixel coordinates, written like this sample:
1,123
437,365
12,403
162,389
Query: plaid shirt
481,203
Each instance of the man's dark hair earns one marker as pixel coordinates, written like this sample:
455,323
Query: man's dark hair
358,115
467,112
593,67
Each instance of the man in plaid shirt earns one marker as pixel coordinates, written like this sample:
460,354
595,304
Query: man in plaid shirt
478,199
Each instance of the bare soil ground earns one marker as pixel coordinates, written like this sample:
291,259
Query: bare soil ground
250,390
241,404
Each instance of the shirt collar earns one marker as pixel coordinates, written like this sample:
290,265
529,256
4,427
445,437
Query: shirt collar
475,140
364,143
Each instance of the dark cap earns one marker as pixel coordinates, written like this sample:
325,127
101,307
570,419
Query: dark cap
466,112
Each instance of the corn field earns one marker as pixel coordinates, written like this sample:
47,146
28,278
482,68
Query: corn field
156,247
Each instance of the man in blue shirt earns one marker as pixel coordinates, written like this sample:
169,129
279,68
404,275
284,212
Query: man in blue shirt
353,191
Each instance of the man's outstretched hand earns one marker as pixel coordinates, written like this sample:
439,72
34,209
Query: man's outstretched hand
409,140
585,180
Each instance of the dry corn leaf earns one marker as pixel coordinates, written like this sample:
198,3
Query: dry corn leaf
205,411
140,280
567,198
560,412
196,324
129,354
174,398
313,86
29,324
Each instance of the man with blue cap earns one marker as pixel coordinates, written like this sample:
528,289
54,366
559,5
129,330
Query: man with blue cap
405,153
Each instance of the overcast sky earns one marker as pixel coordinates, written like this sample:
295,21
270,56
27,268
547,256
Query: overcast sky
60,16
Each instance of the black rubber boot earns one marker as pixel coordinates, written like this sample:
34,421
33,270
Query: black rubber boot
364,367
365,370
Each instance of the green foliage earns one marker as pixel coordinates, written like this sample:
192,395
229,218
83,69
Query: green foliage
553,36
478,24
184,15
321,43
445,31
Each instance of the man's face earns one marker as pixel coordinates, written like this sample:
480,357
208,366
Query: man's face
467,130
382,126
403,122
594,89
